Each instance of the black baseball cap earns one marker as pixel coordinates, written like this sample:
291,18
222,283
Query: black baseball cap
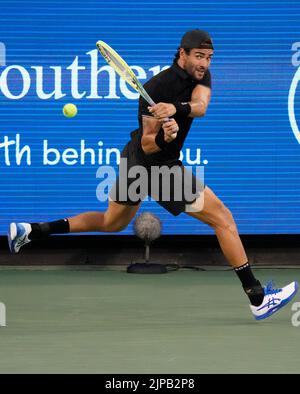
196,39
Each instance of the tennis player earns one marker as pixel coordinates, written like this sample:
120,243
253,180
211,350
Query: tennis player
183,93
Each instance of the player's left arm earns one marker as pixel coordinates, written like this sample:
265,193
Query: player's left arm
197,106
199,101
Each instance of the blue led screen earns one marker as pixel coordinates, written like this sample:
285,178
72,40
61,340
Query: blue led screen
248,142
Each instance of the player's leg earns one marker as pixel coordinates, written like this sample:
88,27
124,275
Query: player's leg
116,218
218,216
264,301
118,215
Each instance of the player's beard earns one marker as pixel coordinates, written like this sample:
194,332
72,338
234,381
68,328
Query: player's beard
196,73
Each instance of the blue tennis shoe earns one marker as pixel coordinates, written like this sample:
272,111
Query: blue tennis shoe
18,236
274,300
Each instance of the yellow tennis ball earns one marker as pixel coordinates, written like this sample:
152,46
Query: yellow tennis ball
70,110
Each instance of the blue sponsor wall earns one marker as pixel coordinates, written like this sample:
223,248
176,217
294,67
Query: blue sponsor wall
248,140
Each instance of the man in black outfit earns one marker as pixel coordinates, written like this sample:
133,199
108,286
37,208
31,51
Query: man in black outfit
182,93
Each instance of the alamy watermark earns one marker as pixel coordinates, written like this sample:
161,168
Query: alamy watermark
2,315
162,182
296,55
293,90
296,315
2,54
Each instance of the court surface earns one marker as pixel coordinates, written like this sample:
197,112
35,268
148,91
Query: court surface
72,321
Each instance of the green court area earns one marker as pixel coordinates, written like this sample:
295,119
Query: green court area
94,321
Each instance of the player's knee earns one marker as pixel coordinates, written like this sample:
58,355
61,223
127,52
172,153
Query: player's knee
225,218
117,227
228,220
114,226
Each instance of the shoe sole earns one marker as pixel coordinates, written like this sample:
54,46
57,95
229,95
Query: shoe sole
277,308
12,233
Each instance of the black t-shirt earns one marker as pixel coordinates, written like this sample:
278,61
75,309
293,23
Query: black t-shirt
169,86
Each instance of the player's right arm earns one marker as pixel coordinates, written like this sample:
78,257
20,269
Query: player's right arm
156,135
151,127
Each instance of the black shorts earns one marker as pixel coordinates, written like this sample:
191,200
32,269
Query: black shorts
171,185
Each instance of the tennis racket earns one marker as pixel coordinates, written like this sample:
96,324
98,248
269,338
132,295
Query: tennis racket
125,72
122,68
